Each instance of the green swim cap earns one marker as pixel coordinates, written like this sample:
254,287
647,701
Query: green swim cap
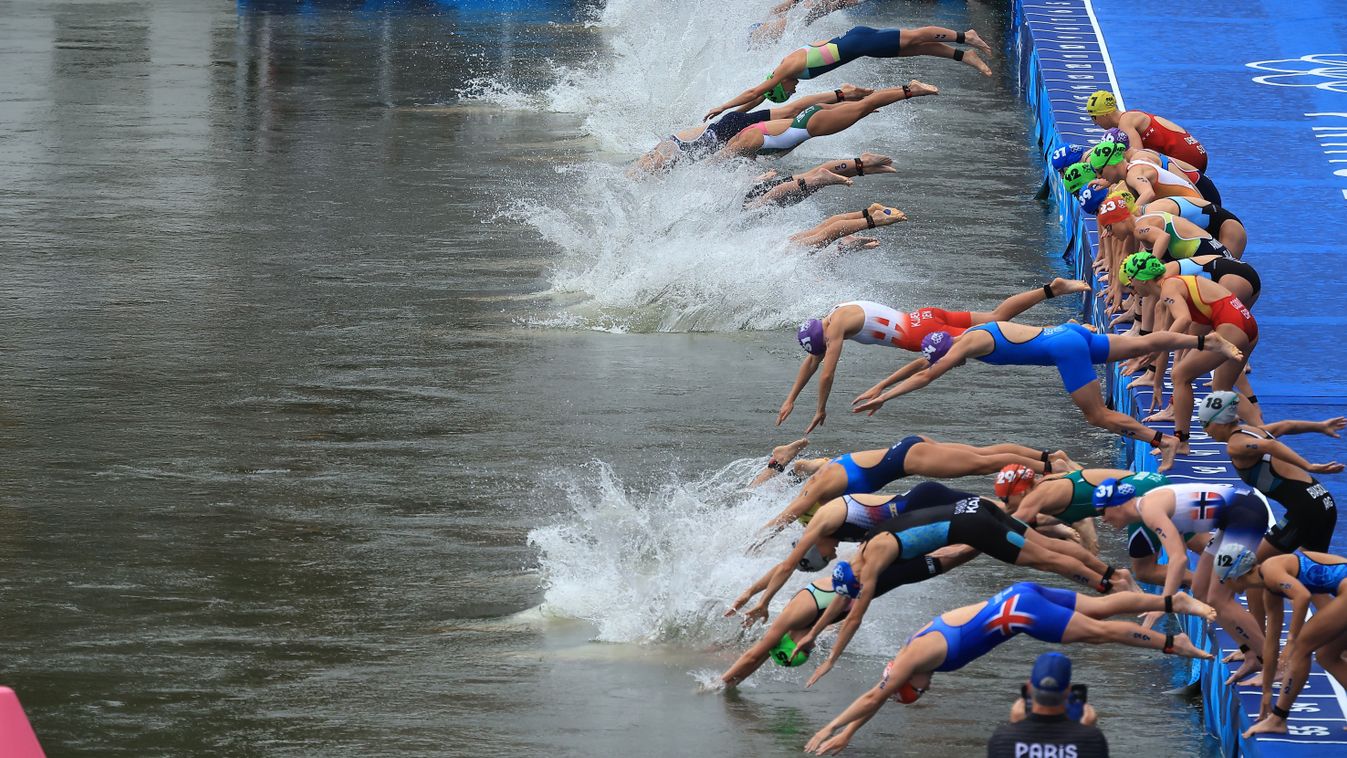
777,94
1106,153
1078,175
785,653
1142,267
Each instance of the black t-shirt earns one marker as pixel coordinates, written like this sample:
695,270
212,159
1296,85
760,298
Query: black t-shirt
1047,737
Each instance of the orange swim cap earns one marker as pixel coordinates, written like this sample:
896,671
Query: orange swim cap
1013,479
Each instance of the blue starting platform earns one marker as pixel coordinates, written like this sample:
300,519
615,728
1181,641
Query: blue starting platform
1263,85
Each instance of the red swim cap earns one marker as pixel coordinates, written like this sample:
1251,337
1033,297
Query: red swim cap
907,694
1013,479
1113,210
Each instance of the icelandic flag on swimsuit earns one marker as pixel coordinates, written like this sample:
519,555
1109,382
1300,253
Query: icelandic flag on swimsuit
1008,619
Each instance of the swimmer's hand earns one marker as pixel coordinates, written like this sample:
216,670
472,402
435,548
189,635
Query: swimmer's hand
716,111
1149,620
1325,468
817,422
785,412
820,672
1332,426
737,604
755,614
872,406
832,746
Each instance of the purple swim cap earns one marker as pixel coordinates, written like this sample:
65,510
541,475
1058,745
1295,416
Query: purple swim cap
810,335
935,345
1117,135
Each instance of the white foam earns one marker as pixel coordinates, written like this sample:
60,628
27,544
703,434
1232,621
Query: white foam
677,253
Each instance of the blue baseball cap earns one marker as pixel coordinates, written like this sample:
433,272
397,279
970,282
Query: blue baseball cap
1051,678
1111,492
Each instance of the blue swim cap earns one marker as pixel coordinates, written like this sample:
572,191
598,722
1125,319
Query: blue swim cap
1066,155
1111,492
1091,197
935,345
845,582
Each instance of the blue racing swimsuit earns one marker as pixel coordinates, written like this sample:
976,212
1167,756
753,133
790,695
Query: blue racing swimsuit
1072,348
860,42
1041,612
1321,578
867,480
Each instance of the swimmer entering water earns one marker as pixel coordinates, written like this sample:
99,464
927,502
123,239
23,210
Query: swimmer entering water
1072,348
844,226
871,323
818,58
959,637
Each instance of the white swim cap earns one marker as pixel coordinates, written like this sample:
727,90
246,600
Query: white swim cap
1233,560
1220,407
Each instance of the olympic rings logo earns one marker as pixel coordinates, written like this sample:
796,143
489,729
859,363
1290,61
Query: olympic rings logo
1326,71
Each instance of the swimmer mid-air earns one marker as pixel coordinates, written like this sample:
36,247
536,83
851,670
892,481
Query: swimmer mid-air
956,638
818,58
780,136
1072,348
871,323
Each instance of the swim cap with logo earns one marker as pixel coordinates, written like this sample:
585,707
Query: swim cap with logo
1220,407
1119,136
906,694
1078,175
845,582
787,654
1066,155
1112,210
1106,153
1091,197
1012,480
810,337
777,94
1100,102
813,559
1111,492
935,345
1142,267
1233,560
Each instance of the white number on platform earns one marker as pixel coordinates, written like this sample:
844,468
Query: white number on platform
1307,731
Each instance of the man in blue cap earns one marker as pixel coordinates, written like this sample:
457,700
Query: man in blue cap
1047,730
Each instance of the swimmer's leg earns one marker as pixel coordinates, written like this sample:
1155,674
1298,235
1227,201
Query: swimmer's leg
1017,304
925,34
865,165
1185,372
939,460
781,456
1091,405
844,224
941,50
1140,602
1082,628
798,187
1235,238
838,117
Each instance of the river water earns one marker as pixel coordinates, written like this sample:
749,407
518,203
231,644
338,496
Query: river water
352,401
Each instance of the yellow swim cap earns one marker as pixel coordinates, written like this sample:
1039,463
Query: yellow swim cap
1100,102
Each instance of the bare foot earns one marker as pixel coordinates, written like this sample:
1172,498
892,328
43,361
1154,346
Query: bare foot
1141,381
1251,664
1124,580
973,38
855,242
1185,647
1165,415
822,177
1232,656
1169,447
1187,604
1062,286
1223,346
784,454
875,163
1062,462
972,59
1273,724
883,215
922,88
1254,681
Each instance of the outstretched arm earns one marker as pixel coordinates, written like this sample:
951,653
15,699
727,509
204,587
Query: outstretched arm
916,381
1330,427
807,369
1283,453
825,382
753,96
1164,528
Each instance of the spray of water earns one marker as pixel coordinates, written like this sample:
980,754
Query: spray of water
677,252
